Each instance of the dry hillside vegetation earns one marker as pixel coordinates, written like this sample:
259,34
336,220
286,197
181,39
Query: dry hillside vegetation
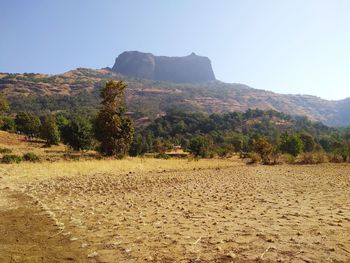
149,210
155,97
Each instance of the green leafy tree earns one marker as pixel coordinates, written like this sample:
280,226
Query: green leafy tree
62,121
49,130
291,144
28,124
78,134
7,124
113,129
199,146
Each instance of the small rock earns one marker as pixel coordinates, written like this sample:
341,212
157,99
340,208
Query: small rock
92,255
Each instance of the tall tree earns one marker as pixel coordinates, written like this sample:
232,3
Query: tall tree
113,129
50,131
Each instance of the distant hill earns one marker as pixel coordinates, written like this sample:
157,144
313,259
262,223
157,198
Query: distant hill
148,99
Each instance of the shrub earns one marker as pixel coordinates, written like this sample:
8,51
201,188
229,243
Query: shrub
31,157
308,141
291,144
224,151
11,158
254,158
162,156
288,158
307,158
266,150
313,158
199,146
78,134
5,151
28,124
7,124
320,157
335,158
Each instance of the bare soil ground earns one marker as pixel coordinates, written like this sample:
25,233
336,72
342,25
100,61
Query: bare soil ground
28,234
227,213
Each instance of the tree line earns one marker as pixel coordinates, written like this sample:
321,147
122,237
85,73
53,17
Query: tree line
268,134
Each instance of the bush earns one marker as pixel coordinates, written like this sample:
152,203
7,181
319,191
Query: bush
224,151
78,134
31,157
28,124
254,158
5,151
320,157
268,153
335,158
199,146
7,124
307,158
288,158
313,158
291,144
162,156
11,158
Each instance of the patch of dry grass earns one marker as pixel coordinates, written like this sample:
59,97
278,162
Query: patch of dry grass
19,145
46,170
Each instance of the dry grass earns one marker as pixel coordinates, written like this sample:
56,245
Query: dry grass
19,145
179,210
47,170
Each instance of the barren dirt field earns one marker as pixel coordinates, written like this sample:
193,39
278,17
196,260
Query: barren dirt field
174,211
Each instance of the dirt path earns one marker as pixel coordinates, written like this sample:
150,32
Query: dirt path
27,234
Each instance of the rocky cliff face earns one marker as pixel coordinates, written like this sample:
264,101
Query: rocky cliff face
188,69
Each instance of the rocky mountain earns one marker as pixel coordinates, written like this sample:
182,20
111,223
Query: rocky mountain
189,69
149,96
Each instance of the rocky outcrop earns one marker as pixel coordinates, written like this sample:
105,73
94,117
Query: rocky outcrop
188,69
135,64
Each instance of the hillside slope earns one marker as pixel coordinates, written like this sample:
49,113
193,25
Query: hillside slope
148,98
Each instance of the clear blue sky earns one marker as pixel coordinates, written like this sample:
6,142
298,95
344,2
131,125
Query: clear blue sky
287,46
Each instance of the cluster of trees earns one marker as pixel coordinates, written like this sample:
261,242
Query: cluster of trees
268,133
111,132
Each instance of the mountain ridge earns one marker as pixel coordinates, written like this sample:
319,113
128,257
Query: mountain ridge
151,98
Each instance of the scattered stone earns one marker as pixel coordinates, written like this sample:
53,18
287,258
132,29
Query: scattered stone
92,255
